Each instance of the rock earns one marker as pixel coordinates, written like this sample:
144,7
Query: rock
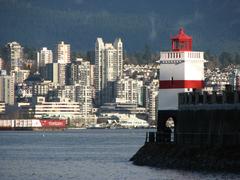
188,157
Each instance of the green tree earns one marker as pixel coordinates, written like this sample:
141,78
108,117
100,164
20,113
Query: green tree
226,58
147,54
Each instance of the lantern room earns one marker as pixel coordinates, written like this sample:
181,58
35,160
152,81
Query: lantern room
181,42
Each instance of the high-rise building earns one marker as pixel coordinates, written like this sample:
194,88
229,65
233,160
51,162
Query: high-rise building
108,67
16,54
153,101
78,72
52,72
45,56
61,74
128,90
63,53
55,72
84,97
7,89
66,92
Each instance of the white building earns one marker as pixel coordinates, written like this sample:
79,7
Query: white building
108,67
67,92
84,92
42,88
84,97
63,53
45,56
79,72
153,101
65,109
128,90
7,93
16,54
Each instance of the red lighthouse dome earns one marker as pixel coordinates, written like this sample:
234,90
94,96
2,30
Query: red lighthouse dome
181,42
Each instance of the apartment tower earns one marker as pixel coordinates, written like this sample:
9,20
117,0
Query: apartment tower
108,68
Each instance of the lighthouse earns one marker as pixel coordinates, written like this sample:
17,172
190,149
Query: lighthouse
181,70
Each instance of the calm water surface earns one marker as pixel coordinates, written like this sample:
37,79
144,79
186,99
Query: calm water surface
81,154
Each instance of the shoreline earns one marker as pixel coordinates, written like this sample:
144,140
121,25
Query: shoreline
187,157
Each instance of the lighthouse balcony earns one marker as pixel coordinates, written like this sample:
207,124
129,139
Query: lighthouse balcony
180,56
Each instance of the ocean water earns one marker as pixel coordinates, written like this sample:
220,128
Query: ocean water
82,154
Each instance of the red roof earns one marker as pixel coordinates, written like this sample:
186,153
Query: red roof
181,35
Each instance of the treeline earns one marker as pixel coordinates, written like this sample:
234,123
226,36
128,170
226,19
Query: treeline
223,59
145,56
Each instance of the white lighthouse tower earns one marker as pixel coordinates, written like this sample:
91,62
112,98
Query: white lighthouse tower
181,70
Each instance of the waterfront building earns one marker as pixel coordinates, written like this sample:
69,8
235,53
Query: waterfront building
108,67
45,56
125,114
182,70
63,53
7,90
16,54
120,108
63,109
79,75
84,97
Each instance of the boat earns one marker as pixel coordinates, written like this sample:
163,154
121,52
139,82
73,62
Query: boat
131,121
32,124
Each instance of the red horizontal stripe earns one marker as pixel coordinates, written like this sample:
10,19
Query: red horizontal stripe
174,84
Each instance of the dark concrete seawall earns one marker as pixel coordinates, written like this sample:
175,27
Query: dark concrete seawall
189,157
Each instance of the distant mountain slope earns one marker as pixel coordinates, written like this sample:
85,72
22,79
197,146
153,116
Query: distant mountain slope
214,24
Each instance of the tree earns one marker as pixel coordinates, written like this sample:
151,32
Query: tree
237,58
147,54
212,60
226,58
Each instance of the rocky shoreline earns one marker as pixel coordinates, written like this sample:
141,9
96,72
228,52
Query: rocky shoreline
189,157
